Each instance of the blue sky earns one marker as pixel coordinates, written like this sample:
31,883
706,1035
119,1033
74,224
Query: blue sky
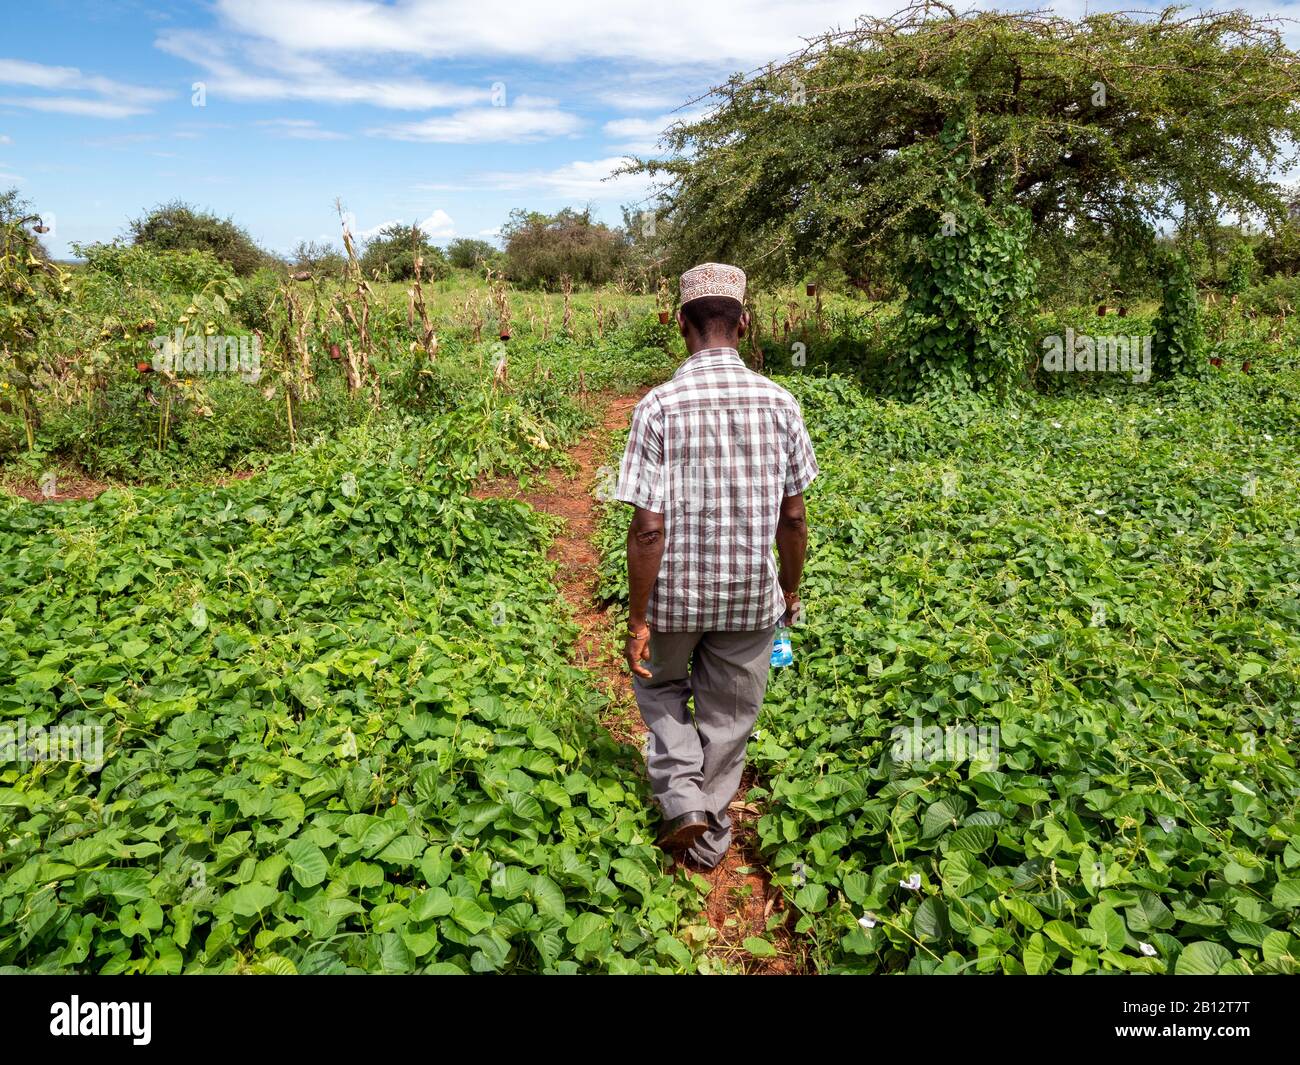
394,107
388,106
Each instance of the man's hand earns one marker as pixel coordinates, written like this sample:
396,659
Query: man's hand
637,649
793,609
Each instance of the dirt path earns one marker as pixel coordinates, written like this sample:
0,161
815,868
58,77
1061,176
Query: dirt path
64,487
79,486
741,899
570,496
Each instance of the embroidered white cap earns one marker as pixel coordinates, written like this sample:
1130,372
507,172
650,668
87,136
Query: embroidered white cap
713,279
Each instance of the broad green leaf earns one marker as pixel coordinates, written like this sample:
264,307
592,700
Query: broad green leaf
307,863
250,899
1201,959
931,919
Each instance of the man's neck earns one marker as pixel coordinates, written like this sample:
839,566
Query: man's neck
713,342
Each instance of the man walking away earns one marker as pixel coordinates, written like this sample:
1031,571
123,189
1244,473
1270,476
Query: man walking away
716,466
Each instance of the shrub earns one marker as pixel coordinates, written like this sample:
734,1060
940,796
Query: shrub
390,255
185,271
32,292
541,249
321,259
177,226
468,253
1277,295
1279,251
257,296
14,210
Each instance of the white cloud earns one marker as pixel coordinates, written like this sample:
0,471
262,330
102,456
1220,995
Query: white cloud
635,127
110,99
578,180
640,136
479,125
237,77
40,76
74,105
645,100
727,31
364,235
438,226
118,141
4,139
303,129
526,100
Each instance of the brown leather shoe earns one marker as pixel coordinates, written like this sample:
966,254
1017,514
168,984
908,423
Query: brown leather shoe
683,830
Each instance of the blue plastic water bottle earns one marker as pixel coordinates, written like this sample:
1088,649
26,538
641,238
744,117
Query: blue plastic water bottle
782,649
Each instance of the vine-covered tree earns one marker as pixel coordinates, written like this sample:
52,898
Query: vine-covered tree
1110,123
1241,269
1178,345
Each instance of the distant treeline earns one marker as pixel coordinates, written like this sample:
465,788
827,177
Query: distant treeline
538,250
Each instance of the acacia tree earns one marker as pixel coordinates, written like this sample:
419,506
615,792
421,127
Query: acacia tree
1113,120
1107,125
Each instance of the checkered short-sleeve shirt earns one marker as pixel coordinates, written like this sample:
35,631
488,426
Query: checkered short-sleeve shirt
714,450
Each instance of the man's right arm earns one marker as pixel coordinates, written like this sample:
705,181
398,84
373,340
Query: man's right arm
792,524
792,547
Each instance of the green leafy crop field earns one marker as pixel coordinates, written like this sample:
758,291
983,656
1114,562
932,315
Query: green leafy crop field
1042,717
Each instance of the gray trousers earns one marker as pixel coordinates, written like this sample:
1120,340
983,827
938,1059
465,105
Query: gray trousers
695,764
